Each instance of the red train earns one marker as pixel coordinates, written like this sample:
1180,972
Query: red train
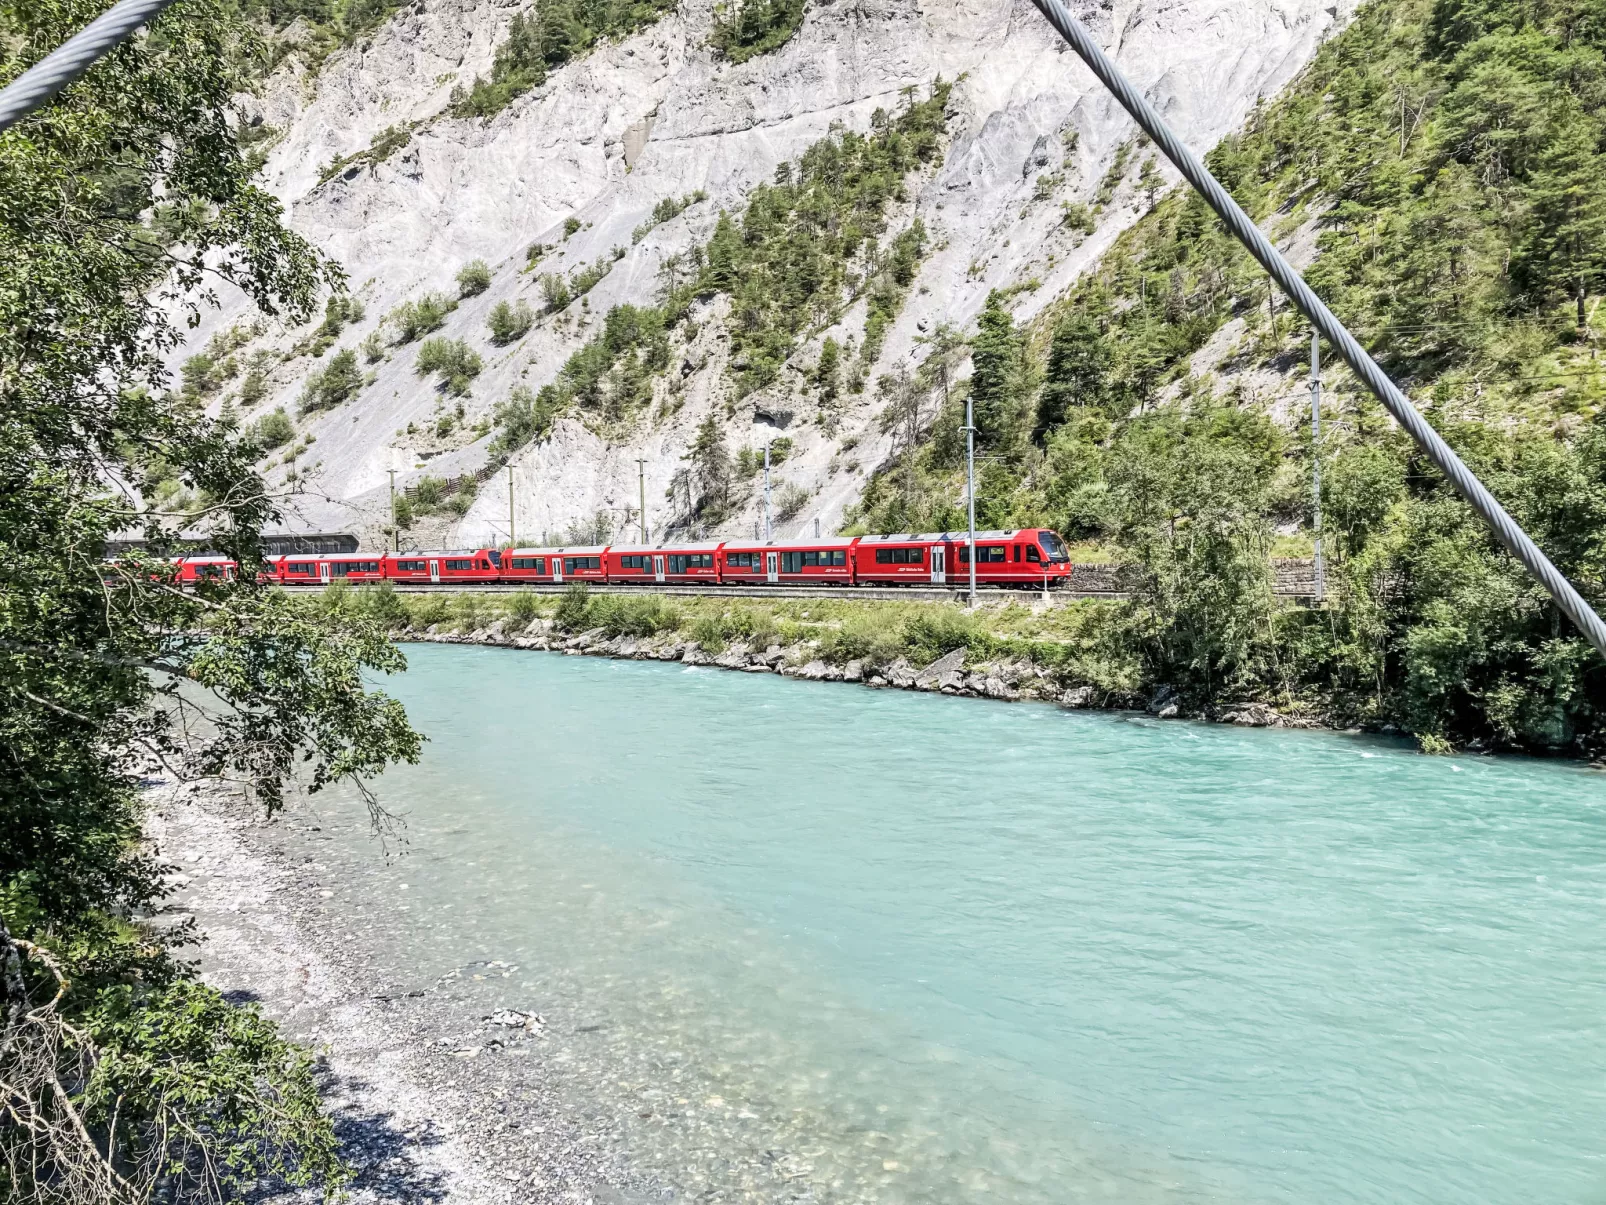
1028,558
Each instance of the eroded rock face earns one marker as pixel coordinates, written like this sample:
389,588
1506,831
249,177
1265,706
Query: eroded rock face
656,116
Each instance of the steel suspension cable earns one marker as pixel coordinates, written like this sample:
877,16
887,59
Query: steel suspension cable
73,57
1506,530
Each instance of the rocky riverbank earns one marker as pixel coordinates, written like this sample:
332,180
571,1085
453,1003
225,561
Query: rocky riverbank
433,1091
955,672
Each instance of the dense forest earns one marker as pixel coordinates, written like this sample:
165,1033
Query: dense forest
1447,158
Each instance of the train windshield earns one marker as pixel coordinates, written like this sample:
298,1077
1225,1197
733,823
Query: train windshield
1053,548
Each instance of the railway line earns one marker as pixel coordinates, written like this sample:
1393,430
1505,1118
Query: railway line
883,593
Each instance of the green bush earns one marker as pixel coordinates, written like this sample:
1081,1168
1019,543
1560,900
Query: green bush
473,278
709,633
930,633
337,383
470,611
380,602
271,431
574,609
555,292
415,319
873,636
509,321
456,362
757,27
634,615
524,606
425,610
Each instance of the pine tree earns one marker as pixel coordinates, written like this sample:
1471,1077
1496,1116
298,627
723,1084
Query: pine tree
1079,362
996,373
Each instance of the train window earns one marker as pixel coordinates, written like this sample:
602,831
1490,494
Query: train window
538,563
1032,554
409,566
741,560
899,556
632,562
1053,548
496,558
985,553
791,562
571,563
460,565
300,567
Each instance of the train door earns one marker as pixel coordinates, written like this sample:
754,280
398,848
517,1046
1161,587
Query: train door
435,572
770,574
557,569
323,572
658,568
939,565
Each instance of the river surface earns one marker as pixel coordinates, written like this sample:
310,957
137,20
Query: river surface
821,943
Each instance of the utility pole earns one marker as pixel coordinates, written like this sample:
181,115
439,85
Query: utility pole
641,470
394,530
767,535
512,535
970,492
1316,459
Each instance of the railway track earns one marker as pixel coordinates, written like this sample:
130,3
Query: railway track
884,593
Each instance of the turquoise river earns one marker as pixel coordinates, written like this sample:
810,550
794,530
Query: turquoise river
907,948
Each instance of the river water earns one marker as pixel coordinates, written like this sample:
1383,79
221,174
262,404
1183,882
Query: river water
821,943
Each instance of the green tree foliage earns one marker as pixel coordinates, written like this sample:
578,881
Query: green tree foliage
415,319
510,321
272,431
473,278
335,384
520,419
1449,154
456,362
755,27
544,38
122,1077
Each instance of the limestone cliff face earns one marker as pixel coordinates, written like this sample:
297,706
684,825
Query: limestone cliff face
656,116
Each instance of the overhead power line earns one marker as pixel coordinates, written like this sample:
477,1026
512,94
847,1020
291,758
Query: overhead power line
73,57
1506,530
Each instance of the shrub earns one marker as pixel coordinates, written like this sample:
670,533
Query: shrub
524,606
470,610
791,500
757,27
874,637
555,292
414,319
571,225
634,615
382,604
509,321
931,633
709,633
456,362
522,417
574,609
424,610
586,279
271,431
335,384
473,278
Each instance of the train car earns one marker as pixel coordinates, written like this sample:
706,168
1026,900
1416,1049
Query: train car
692,564
908,558
459,564
584,564
825,561
532,565
639,564
1029,558
321,570
188,570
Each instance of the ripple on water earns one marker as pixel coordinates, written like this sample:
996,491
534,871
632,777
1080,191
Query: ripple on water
818,943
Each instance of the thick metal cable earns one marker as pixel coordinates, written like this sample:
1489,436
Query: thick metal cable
1505,527
72,58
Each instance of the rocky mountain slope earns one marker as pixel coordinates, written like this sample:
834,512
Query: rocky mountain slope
654,116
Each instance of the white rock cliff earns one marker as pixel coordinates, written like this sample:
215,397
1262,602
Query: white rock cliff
656,116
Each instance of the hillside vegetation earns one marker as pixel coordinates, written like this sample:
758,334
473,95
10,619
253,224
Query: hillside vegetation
1447,158
807,247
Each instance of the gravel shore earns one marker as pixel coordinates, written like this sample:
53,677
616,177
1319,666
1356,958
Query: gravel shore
435,1099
